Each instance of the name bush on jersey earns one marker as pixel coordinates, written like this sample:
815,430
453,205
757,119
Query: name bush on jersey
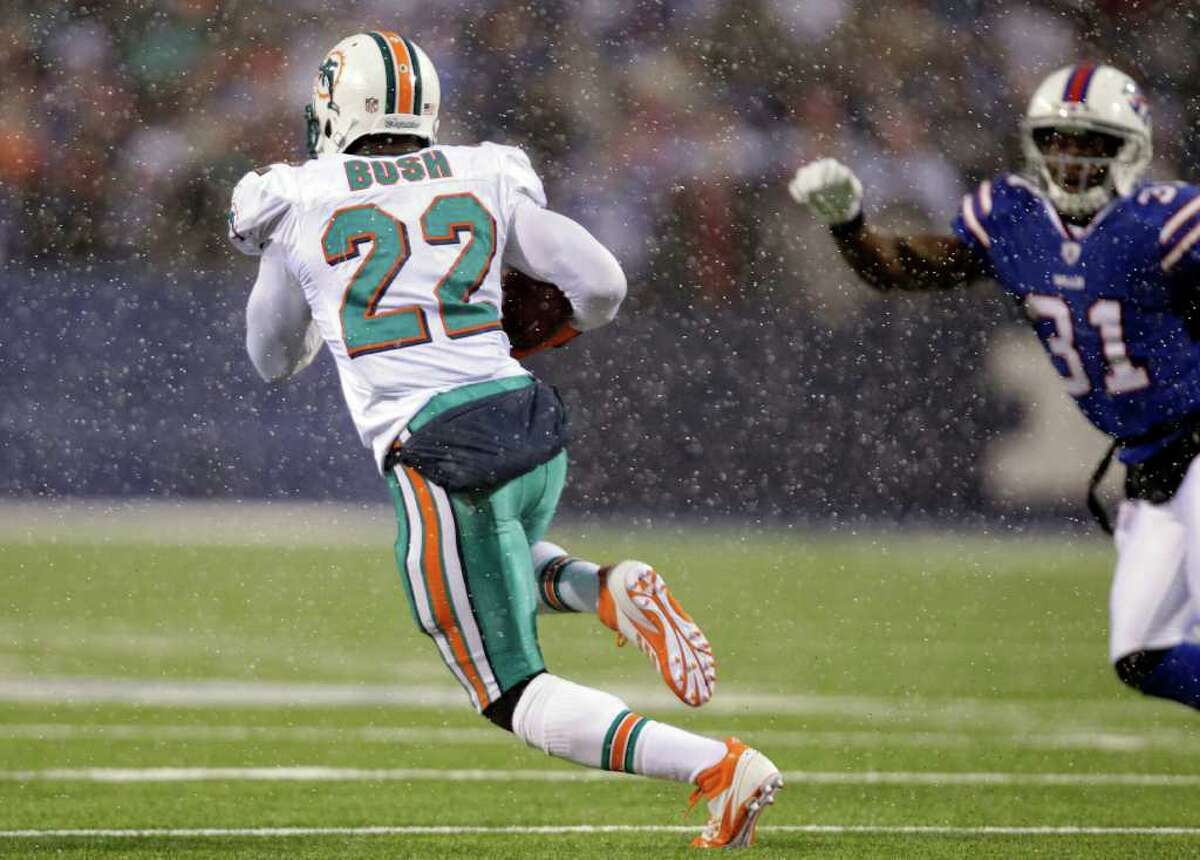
264,196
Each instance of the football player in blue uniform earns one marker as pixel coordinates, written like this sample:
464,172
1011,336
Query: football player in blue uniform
1106,267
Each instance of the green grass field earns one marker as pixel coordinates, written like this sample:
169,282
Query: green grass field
931,695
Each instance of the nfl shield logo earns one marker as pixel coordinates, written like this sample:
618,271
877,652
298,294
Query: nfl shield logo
372,104
1071,252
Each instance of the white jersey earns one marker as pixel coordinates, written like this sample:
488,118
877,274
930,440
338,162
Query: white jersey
399,260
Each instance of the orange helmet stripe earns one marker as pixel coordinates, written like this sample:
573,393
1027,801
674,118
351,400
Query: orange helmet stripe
406,73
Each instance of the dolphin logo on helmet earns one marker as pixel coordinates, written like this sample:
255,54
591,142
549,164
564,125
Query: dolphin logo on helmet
327,78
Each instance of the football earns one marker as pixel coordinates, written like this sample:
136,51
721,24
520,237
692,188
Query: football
535,314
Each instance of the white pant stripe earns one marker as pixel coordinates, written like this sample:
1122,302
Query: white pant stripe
414,571
459,594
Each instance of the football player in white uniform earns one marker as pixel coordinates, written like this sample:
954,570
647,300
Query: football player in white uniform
388,249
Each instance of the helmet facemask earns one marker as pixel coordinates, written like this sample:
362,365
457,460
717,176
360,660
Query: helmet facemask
312,131
1081,165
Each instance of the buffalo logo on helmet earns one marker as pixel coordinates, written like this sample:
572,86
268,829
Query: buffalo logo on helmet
1138,102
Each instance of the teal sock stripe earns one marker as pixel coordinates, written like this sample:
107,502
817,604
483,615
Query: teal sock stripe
632,745
606,749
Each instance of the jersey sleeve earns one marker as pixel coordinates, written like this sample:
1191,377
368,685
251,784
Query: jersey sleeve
1178,212
260,203
281,336
975,222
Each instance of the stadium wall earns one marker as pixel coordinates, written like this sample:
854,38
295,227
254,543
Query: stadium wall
117,381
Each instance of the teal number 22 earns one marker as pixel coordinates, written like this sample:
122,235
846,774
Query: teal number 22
365,328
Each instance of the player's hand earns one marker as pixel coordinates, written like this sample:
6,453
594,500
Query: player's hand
830,189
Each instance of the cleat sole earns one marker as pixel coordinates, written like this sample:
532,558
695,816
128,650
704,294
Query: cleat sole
763,797
649,615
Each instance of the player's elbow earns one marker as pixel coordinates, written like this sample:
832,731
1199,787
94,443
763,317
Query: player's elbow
270,370
268,360
876,280
605,293
611,289
275,377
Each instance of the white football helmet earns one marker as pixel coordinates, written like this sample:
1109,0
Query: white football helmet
1081,99
372,83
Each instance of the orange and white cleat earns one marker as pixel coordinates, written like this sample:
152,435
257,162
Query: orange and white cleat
738,788
635,602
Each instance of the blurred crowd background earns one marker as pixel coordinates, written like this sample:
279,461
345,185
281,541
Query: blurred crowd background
668,123
668,127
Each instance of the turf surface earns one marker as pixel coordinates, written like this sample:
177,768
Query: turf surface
939,681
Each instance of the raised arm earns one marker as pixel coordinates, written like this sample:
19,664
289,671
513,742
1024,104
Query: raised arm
920,262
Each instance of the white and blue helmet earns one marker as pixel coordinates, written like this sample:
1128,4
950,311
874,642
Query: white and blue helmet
1089,98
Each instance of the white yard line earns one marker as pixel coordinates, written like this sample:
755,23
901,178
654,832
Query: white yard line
174,522
298,774
569,829
1181,742
299,734
1100,741
220,693
222,651
318,773
1017,717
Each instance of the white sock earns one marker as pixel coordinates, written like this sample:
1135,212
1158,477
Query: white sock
670,753
596,729
564,584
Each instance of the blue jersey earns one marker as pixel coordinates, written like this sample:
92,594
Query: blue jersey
1111,302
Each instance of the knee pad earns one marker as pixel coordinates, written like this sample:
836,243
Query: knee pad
1133,669
501,711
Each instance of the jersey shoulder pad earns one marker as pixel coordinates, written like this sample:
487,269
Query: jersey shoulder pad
1172,211
993,204
260,201
517,175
